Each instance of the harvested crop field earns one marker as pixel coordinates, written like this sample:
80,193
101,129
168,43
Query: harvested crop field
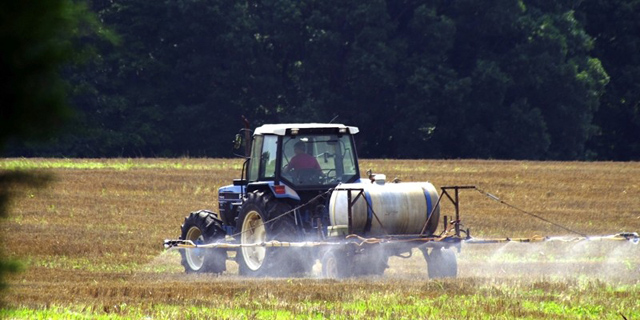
91,246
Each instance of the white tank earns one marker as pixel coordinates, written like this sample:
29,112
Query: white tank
402,208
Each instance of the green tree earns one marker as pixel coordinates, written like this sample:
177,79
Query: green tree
497,79
615,27
177,83
525,84
37,38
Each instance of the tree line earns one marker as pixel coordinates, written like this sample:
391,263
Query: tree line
503,79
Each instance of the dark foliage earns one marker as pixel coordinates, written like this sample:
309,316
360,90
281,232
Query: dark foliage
38,38
503,79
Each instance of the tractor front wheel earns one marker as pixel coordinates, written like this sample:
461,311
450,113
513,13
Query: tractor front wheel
201,227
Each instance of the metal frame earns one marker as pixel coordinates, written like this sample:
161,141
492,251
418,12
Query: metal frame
456,203
455,200
444,240
352,201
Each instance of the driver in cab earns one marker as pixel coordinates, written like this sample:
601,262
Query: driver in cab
301,160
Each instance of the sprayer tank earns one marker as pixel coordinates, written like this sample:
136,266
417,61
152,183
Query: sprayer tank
401,208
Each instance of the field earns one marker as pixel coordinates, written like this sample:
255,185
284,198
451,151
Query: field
91,246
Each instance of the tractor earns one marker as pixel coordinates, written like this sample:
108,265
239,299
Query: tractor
301,199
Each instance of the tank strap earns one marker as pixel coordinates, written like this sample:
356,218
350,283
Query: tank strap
367,197
428,196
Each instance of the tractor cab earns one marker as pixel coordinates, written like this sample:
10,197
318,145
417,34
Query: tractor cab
292,163
302,157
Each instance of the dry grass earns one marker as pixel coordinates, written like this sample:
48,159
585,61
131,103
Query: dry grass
91,242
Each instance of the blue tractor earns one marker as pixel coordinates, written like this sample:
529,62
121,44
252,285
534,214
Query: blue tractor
291,191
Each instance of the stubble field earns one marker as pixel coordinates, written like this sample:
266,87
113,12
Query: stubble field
91,246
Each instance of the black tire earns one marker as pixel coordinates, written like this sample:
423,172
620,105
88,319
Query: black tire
202,227
335,265
291,261
441,263
371,262
258,208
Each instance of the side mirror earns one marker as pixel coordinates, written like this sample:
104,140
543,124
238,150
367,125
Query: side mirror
237,142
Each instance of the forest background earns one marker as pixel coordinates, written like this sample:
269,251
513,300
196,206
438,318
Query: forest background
502,79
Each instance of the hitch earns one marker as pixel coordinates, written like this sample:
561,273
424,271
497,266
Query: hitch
169,243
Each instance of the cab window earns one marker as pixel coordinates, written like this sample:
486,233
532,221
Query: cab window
318,160
254,165
268,158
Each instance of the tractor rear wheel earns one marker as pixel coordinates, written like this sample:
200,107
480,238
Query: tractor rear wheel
201,227
292,260
261,220
441,263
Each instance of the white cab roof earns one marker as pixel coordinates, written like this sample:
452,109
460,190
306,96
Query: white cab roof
280,129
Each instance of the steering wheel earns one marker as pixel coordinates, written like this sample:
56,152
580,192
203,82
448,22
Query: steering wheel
326,175
287,175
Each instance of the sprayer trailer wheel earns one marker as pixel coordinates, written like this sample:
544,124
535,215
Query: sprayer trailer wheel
335,265
441,263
